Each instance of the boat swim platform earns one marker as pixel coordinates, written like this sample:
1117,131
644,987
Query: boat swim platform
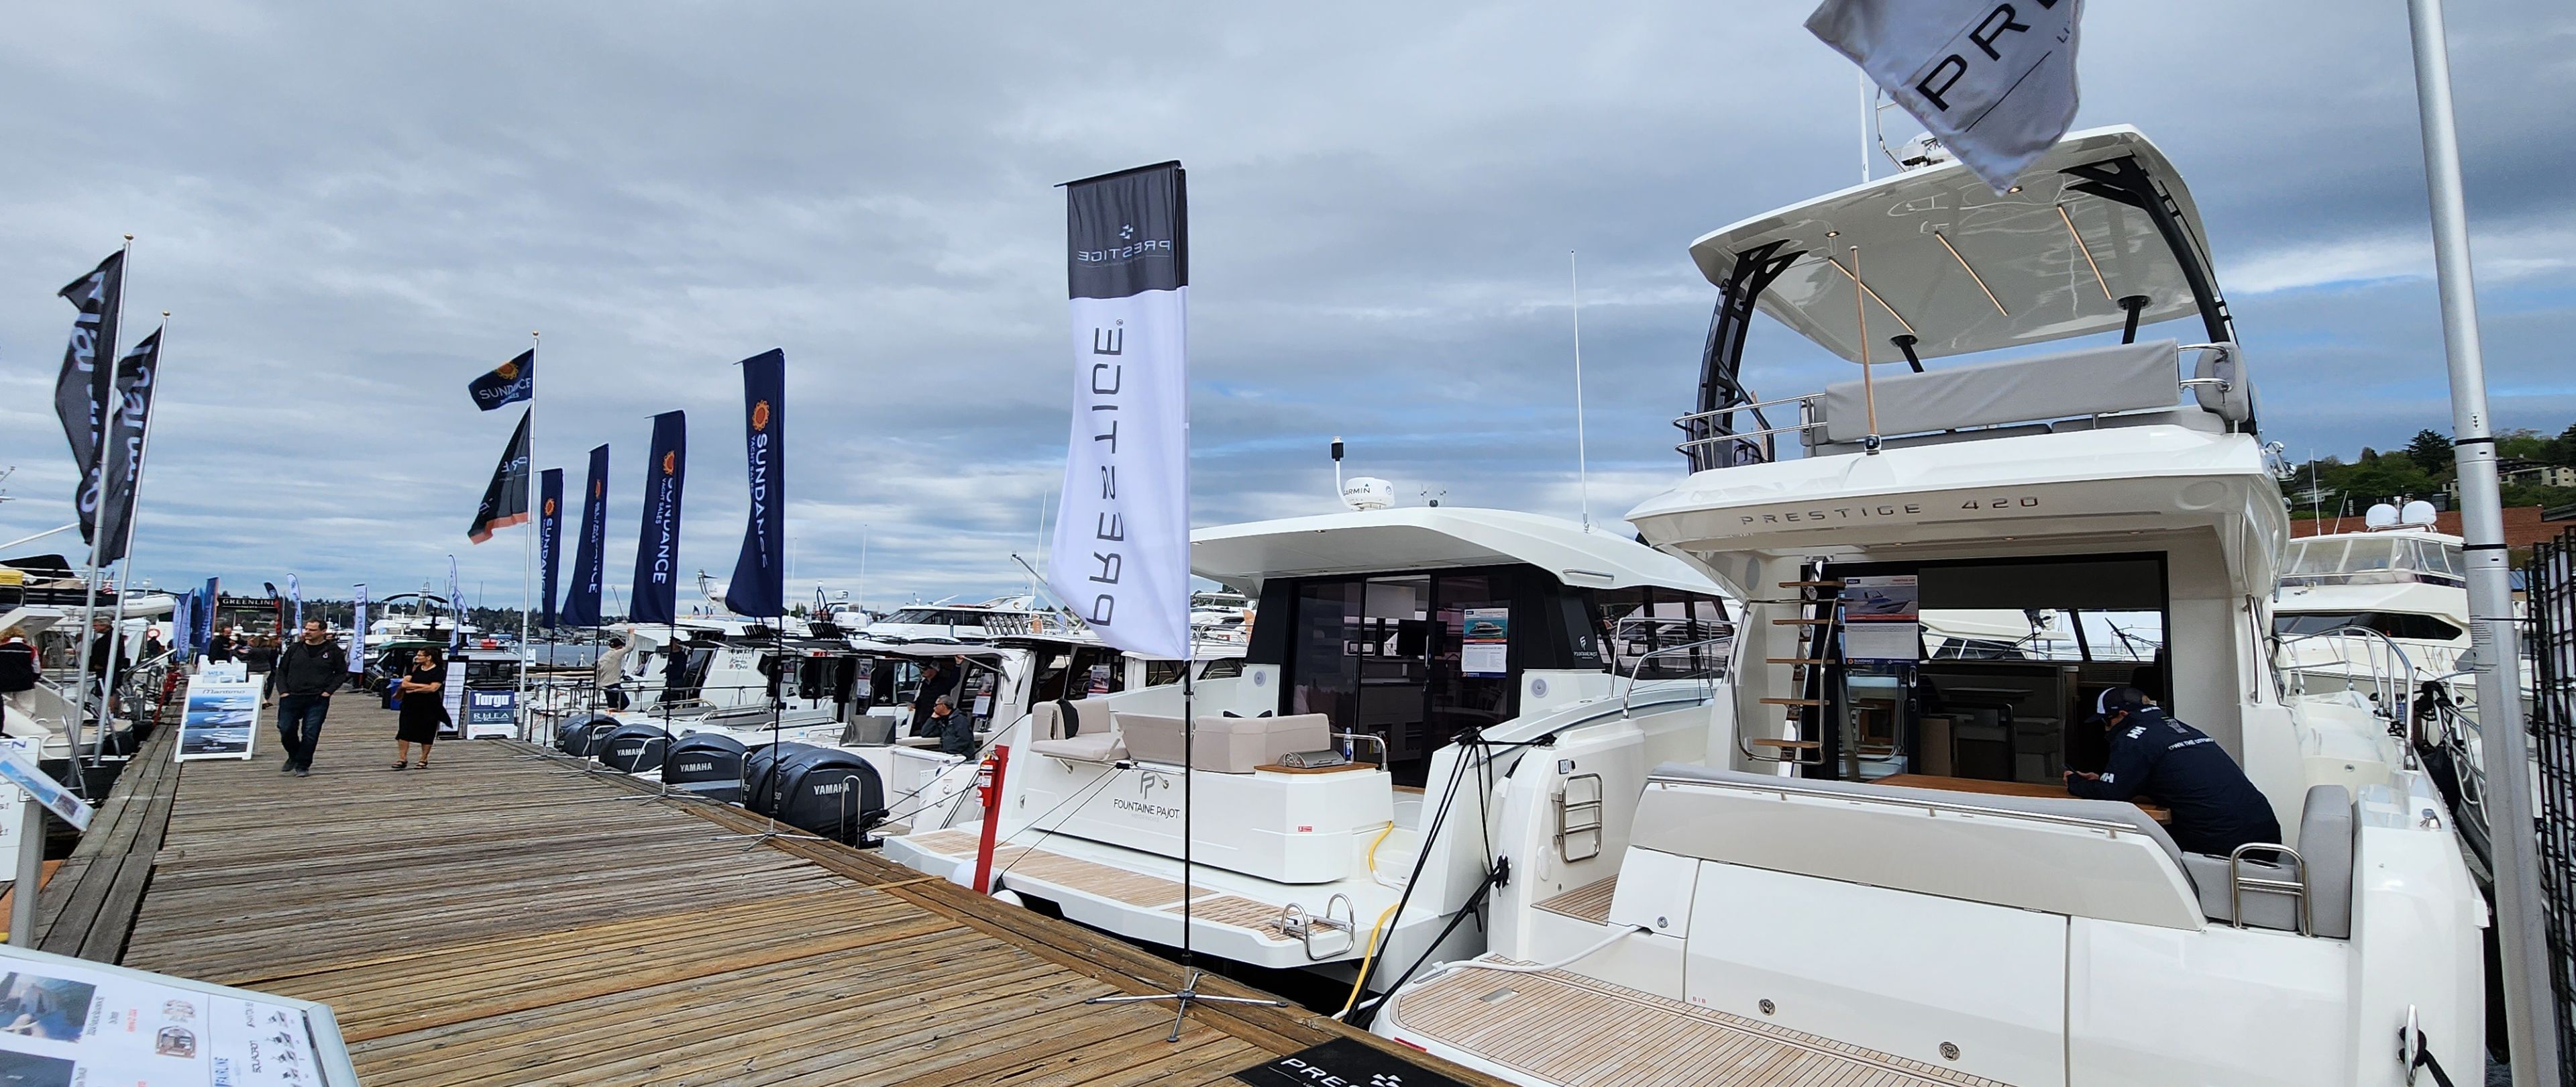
507,918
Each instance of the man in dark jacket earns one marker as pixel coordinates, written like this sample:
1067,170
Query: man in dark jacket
18,670
956,731
2215,808
308,670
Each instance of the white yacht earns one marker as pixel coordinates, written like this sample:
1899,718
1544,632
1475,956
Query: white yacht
2389,601
961,621
1450,650
1792,907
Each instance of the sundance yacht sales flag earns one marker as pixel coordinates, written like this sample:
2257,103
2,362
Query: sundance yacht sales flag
1993,81
505,499
759,585
590,549
507,384
1121,553
657,544
549,541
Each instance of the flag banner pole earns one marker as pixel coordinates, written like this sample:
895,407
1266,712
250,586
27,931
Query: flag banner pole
528,561
759,584
80,398
657,541
455,611
505,499
581,603
1121,553
358,631
128,440
2530,1002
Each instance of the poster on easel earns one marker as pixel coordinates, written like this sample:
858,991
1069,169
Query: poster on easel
1882,618
220,719
66,1022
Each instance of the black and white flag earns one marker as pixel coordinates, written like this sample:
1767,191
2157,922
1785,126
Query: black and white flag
80,391
130,420
1993,81
1121,554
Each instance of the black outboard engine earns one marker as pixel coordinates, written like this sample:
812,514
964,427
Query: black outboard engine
832,793
633,749
708,764
581,738
760,768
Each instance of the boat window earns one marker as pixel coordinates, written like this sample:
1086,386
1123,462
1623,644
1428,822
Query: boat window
1637,623
1160,673
2374,560
1413,658
2393,624
2324,556
1222,668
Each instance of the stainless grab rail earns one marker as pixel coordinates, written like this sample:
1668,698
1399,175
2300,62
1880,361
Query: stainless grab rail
2237,884
2389,693
1708,680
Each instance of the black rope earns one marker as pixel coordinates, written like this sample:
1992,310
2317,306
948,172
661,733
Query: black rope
1367,1011
2423,1059
1422,854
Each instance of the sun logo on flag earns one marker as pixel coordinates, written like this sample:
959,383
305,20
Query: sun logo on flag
760,415
596,489
550,507
670,463
509,371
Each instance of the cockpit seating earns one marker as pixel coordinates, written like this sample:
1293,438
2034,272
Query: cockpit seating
1226,745
2134,384
1088,739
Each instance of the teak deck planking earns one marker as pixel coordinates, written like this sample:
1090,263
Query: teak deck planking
502,918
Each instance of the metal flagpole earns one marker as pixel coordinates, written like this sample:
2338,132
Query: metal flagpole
1582,466
89,601
528,555
125,565
2529,1001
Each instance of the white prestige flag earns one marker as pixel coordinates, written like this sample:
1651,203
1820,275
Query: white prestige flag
1994,82
1121,553
358,632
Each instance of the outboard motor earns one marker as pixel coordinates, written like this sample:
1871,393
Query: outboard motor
832,793
633,749
759,766
581,738
707,763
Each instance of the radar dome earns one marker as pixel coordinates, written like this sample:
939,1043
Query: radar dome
1368,493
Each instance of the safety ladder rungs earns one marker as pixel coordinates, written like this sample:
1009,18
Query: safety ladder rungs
1795,745
1801,622
1793,701
1796,660
1811,584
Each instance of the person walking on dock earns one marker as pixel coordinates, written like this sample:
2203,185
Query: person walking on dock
261,654
424,708
18,671
308,671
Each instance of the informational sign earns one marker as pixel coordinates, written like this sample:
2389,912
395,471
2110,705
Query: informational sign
452,693
1485,642
1099,679
225,670
1882,619
82,1024
491,715
13,800
221,719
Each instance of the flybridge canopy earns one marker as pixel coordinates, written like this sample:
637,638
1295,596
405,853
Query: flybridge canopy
1432,538
2102,217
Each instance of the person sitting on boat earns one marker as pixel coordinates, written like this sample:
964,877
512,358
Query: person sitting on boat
18,670
956,731
608,674
2215,808
938,678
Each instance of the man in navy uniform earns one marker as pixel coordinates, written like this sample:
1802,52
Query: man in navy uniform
2215,809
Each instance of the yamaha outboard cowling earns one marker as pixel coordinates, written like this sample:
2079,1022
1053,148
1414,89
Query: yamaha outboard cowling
581,738
832,793
708,764
760,767
634,749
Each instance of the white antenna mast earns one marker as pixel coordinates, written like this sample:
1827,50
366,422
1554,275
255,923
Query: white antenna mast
1868,115
1582,467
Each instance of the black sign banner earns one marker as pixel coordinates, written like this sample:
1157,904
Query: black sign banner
80,391
581,605
507,384
135,379
657,544
549,539
1343,1062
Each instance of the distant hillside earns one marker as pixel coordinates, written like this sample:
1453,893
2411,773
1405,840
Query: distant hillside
2536,471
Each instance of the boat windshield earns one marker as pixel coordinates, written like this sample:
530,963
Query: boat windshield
2373,560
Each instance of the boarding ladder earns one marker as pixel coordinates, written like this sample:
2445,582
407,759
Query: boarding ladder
1819,621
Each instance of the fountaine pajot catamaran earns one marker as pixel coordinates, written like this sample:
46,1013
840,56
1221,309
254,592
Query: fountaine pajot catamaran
1876,876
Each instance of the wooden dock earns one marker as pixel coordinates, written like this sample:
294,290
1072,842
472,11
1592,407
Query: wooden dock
505,919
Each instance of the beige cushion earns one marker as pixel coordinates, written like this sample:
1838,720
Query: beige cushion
1225,745
1090,717
1102,746
1150,738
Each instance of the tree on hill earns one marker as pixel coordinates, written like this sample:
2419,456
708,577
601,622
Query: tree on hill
2430,451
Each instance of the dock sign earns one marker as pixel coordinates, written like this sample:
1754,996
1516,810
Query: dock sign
491,714
1342,1063
21,771
221,717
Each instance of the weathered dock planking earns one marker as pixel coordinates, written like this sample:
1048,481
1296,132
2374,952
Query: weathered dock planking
509,920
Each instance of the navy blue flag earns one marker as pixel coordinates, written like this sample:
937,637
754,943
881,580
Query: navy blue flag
657,545
81,392
581,604
507,384
505,499
128,423
549,538
759,585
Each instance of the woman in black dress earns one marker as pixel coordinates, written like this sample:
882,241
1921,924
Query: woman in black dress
423,707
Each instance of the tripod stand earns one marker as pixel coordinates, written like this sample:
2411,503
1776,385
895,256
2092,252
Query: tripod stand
1188,993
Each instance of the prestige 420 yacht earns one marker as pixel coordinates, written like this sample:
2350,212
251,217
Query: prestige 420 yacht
1874,874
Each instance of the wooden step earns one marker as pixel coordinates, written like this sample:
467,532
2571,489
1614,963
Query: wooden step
1801,622
1811,584
1793,701
1790,745
1796,660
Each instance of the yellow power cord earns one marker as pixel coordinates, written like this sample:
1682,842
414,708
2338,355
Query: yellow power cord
1374,930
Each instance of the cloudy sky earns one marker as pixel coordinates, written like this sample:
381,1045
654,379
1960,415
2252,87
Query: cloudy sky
351,209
